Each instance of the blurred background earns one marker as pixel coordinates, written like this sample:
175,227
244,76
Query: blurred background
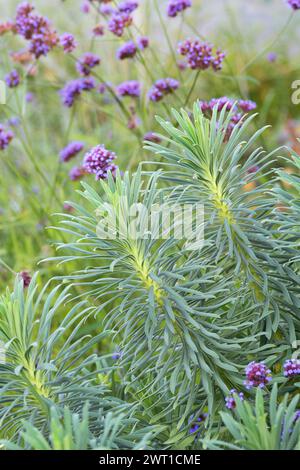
261,41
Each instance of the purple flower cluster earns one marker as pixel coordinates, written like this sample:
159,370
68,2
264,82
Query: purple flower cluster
76,173
230,400
294,4
98,30
70,151
87,62
12,79
200,55
152,137
177,6
118,22
162,87
128,6
6,137
74,88
257,375
127,50
143,42
195,423
36,29
26,278
291,367
130,88
67,41
98,161
246,105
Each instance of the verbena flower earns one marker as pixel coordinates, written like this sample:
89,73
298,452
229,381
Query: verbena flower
246,105
106,10
70,151
6,137
98,30
76,173
36,29
127,50
291,367
143,42
230,400
12,79
118,22
177,6
99,161
152,137
67,41
257,375
272,56
295,4
85,7
128,6
200,55
130,88
26,278
162,87
73,89
87,62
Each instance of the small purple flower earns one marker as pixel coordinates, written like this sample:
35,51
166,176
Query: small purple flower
230,400
87,62
73,89
6,137
118,22
195,423
294,4
106,10
297,415
272,57
253,169
162,87
98,30
99,161
85,7
200,55
26,278
127,50
12,79
14,121
67,41
152,137
70,151
130,88
257,375
143,42
76,173
29,97
291,368
177,6
117,354
246,105
128,6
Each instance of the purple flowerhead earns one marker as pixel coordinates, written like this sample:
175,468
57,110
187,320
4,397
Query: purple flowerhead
118,22
177,6
77,173
294,4
67,41
98,30
257,375
127,50
130,88
12,79
128,6
85,7
70,151
230,400
246,105
291,368
272,56
6,137
99,161
200,55
74,88
196,423
87,62
143,42
26,278
162,87
152,137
